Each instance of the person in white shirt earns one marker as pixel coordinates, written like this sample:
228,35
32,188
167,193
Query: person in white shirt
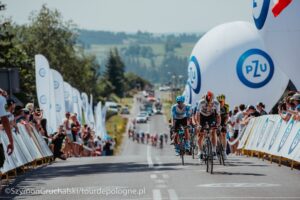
6,126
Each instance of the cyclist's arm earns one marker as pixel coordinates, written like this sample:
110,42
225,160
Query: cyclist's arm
218,111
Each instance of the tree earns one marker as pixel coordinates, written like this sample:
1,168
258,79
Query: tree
115,72
49,35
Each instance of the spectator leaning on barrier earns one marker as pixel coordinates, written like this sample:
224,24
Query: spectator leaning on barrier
295,111
285,106
57,141
261,108
11,104
6,127
30,107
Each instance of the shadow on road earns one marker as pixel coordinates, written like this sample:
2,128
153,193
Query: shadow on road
238,174
23,182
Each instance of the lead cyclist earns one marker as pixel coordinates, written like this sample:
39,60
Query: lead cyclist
208,112
181,114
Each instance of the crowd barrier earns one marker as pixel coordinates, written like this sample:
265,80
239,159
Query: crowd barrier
273,136
29,146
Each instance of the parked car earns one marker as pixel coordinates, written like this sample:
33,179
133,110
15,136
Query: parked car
112,106
125,111
141,118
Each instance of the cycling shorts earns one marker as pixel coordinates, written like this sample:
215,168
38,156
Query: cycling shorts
211,120
181,122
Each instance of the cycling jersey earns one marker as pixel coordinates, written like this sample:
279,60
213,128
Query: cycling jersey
224,110
178,113
208,109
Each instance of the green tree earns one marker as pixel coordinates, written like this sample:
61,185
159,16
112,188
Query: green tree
49,35
115,72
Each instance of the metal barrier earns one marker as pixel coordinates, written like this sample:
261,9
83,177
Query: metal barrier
29,147
270,135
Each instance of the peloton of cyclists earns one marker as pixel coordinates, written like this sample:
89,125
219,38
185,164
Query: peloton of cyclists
208,112
181,114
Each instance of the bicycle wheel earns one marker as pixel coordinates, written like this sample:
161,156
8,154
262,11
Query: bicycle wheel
204,155
220,153
182,151
210,160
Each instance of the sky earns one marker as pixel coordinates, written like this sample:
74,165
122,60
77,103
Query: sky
156,16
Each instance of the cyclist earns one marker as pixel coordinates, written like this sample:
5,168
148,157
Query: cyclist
181,114
208,111
224,111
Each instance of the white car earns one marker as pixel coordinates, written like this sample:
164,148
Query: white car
145,113
141,118
112,106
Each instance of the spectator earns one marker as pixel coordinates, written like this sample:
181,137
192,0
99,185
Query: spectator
261,108
43,130
11,104
249,114
106,148
238,126
30,107
19,114
98,145
69,138
57,141
283,108
37,116
295,100
6,126
75,129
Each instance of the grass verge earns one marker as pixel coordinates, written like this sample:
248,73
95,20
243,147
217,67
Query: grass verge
116,127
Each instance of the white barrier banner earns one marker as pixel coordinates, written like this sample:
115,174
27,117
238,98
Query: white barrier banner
45,91
272,135
68,97
59,96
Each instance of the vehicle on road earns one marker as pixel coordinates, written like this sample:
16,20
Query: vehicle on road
145,113
112,106
125,111
142,118
158,112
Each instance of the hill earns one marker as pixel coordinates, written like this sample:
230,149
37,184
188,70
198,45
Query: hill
154,57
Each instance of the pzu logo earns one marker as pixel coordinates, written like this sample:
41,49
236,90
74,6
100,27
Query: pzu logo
194,75
255,68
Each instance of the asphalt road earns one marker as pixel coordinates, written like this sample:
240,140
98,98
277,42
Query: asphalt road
145,172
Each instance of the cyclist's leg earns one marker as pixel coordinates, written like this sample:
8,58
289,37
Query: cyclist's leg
214,139
223,139
213,136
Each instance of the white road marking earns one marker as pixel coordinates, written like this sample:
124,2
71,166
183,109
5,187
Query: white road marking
148,128
161,186
158,161
165,176
159,181
153,176
149,159
239,185
172,194
157,194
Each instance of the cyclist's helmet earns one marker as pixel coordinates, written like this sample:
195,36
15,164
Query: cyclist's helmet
209,96
180,99
221,97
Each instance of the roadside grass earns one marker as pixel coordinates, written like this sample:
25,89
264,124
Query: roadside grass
116,127
116,124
